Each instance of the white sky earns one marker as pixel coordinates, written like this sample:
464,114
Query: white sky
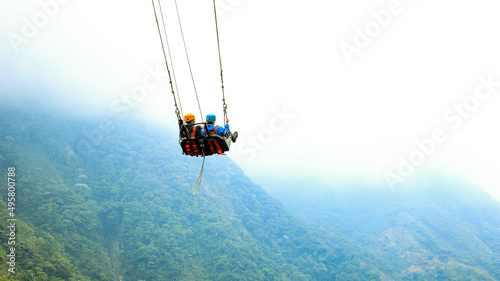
349,119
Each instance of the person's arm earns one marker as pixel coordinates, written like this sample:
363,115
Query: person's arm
226,128
221,131
180,128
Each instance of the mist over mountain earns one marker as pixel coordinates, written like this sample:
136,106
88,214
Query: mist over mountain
117,204
107,199
435,227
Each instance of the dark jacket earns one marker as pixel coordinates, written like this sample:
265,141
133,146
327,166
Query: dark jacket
189,128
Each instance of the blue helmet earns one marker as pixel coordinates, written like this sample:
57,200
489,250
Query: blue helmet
211,117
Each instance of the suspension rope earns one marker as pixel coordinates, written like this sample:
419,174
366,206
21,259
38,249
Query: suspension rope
170,56
166,62
224,106
187,57
198,182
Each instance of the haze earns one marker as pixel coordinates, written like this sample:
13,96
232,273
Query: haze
327,89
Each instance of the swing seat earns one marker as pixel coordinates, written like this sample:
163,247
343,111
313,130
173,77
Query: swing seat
191,146
215,144
210,145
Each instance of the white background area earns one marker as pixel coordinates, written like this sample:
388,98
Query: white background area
302,105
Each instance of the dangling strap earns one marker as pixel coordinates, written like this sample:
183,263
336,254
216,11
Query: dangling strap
198,182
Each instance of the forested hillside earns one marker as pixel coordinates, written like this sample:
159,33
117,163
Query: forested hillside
434,227
102,200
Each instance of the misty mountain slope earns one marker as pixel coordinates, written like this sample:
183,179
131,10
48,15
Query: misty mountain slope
118,203
433,227
39,247
55,219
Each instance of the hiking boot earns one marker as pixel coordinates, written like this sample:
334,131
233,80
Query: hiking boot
234,136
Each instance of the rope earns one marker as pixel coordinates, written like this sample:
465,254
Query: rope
198,182
224,106
166,62
187,57
170,56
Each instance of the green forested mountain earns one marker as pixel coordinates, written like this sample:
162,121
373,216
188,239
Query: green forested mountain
432,228
104,199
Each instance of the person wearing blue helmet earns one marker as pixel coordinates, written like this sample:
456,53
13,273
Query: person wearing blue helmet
219,130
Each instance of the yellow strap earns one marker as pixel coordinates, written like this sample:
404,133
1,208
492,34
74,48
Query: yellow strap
198,182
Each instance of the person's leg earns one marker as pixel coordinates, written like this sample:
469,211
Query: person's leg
234,136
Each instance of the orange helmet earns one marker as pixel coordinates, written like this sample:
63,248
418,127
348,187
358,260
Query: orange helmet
189,117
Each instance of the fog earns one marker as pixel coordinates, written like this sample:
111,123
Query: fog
372,90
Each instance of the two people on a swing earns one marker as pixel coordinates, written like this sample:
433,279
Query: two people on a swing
198,131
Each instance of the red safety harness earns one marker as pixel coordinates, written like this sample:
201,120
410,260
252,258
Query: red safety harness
192,146
213,144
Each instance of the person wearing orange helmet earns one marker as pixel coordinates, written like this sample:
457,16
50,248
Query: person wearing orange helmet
190,129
